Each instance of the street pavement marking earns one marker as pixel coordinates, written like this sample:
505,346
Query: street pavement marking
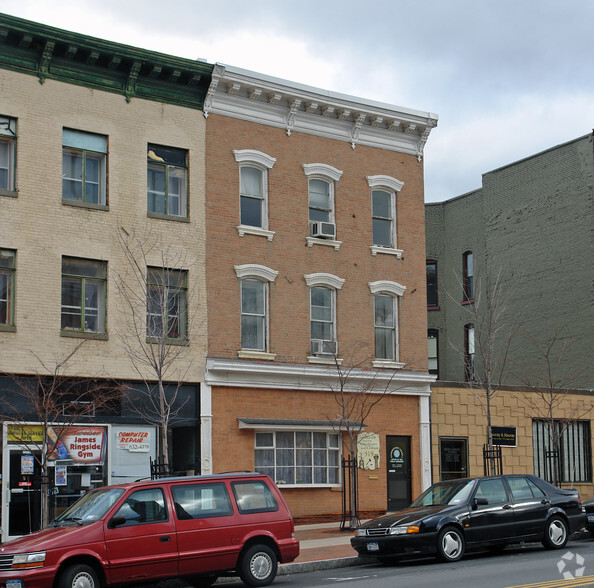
572,583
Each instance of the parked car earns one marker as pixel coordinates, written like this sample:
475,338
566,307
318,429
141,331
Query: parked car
490,512
195,527
589,508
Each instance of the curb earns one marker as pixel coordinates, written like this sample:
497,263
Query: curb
323,564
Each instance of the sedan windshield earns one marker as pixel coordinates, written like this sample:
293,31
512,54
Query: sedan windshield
91,506
445,493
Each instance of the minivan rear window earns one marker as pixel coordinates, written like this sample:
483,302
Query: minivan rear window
254,496
199,501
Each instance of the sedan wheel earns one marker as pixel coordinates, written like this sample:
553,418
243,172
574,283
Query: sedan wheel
450,544
556,533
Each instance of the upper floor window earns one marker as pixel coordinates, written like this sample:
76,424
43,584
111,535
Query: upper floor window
468,276
84,163
469,365
7,153
386,296
167,181
322,179
255,281
323,313
7,271
166,303
385,327
432,295
384,190
432,351
84,284
253,189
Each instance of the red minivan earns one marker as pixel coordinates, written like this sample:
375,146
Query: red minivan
197,527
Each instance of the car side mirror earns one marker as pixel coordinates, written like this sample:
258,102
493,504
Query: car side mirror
479,502
116,521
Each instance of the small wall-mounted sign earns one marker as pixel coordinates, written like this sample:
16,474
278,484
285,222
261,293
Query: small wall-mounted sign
504,436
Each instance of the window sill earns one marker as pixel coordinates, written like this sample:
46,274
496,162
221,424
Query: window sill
375,249
388,364
9,193
247,354
465,302
311,241
88,205
170,217
433,308
82,335
158,340
326,360
7,329
247,230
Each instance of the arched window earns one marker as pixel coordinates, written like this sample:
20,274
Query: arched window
322,180
384,190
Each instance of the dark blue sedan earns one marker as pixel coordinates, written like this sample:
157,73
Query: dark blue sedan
490,512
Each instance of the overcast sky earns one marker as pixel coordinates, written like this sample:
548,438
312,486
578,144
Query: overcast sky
508,78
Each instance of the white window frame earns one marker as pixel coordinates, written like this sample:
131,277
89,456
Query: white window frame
8,271
266,275
274,448
330,175
392,186
332,283
396,290
8,138
263,162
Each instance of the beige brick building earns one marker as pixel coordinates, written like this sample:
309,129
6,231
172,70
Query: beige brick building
89,131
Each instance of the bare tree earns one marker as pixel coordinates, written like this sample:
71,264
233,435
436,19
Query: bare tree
486,353
155,329
56,402
357,391
550,392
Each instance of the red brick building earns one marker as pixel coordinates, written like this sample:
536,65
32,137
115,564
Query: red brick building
315,265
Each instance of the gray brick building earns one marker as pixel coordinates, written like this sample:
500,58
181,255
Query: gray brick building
533,221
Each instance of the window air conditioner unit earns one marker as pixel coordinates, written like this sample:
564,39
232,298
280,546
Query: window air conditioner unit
323,347
323,230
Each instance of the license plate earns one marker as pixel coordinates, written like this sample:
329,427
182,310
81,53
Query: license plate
591,518
13,584
373,547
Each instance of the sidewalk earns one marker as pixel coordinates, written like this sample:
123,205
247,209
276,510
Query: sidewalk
322,546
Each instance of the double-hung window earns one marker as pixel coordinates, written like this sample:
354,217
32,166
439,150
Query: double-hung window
253,191
299,457
166,304
322,300
433,351
386,319
432,293
84,163
84,283
7,154
384,190
167,181
253,314
7,271
322,180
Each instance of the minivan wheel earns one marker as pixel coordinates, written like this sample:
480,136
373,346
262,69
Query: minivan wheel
556,533
450,544
258,566
79,576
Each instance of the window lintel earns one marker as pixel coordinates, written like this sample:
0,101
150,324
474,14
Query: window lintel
322,169
253,156
324,279
387,286
383,181
254,270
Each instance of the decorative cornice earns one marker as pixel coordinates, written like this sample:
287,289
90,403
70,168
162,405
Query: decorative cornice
253,156
322,169
279,103
50,53
385,182
253,270
323,279
387,286
247,374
